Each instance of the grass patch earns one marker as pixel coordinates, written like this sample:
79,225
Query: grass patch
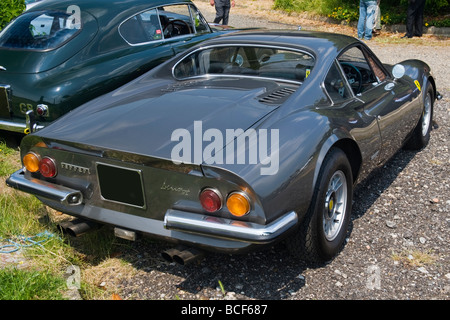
392,11
415,258
44,271
17,214
9,159
17,284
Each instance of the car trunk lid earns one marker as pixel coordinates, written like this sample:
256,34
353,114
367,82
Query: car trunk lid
179,120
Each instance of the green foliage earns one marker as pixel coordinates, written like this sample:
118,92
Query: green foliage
17,284
345,14
9,9
393,11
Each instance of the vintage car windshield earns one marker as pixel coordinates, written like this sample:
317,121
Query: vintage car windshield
253,61
43,30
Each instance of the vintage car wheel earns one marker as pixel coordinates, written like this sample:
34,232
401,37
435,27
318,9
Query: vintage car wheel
324,228
421,134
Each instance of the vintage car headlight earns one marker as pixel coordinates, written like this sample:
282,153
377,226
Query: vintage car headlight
238,204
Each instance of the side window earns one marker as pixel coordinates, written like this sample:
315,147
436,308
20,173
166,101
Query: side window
200,24
361,70
142,28
336,86
176,20
163,23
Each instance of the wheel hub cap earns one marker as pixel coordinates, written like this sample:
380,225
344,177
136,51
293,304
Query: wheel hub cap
335,205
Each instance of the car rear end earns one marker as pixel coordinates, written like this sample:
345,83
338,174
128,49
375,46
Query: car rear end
143,195
33,47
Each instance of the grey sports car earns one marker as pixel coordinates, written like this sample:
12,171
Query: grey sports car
241,141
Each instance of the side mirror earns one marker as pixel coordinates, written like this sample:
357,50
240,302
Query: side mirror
398,71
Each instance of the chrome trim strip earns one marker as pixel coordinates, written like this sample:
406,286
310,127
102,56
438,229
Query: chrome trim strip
54,192
16,126
229,229
235,44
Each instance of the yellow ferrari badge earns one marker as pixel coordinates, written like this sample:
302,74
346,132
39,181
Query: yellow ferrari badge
417,85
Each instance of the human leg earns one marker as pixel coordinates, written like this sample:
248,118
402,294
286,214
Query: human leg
410,14
418,25
226,15
370,19
219,13
362,19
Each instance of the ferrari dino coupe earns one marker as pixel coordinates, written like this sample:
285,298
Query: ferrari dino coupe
241,141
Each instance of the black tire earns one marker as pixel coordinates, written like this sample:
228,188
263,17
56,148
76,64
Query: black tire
312,243
421,134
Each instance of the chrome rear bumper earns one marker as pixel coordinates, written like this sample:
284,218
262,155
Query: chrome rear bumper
16,126
202,228
229,229
61,194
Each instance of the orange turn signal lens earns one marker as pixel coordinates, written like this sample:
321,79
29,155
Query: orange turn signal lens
41,144
31,161
238,204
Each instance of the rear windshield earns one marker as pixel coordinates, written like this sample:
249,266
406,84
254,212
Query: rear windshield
42,30
252,61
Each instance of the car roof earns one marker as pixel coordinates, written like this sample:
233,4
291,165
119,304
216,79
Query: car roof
115,8
109,14
310,40
324,46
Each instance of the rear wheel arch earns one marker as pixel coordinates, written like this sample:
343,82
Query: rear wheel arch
351,150
353,154
322,232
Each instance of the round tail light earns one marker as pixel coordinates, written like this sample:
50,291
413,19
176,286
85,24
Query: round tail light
42,110
238,204
48,167
31,161
211,200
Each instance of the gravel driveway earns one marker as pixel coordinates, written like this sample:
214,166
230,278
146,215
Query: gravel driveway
398,245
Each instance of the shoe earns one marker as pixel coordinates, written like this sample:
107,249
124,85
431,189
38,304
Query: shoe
406,36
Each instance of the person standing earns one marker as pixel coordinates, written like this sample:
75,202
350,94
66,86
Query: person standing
367,10
414,18
377,20
222,10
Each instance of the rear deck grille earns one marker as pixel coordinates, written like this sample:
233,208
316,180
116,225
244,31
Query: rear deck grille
277,97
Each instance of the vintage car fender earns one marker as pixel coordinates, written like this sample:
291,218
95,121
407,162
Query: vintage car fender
418,73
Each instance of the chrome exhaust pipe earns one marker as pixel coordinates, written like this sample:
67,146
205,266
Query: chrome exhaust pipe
182,255
77,227
188,256
169,254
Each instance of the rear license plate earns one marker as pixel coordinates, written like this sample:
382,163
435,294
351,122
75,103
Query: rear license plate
121,185
4,102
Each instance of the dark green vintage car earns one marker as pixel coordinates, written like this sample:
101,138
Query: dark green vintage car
62,53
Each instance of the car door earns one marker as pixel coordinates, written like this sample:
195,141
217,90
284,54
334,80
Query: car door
381,97
183,26
348,110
